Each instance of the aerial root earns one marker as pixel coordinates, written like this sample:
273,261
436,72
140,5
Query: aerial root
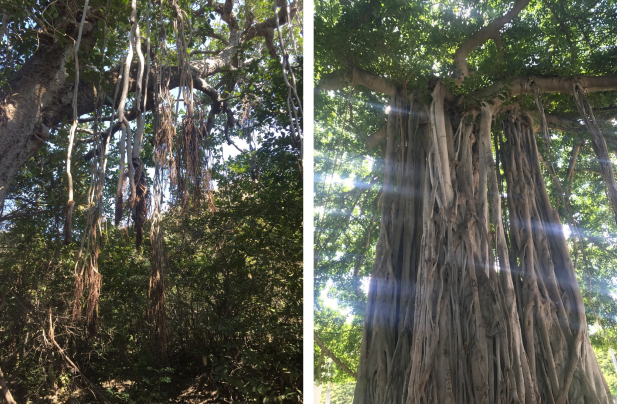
142,201
92,310
68,226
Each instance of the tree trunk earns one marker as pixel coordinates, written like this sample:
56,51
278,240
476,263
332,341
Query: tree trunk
37,98
456,313
23,130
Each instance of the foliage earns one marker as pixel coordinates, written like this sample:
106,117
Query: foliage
340,393
608,368
234,301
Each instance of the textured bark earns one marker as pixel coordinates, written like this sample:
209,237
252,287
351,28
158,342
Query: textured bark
386,344
24,121
455,313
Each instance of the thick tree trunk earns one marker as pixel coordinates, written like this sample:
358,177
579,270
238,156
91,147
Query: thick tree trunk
37,98
455,313
23,129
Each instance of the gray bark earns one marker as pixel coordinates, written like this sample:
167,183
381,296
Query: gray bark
27,113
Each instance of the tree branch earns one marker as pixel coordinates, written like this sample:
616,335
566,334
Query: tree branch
354,77
260,29
174,81
333,357
374,139
524,85
479,37
204,52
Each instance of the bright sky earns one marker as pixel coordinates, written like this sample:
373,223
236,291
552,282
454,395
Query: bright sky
333,303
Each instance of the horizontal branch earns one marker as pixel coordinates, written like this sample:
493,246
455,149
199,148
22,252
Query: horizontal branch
32,214
225,59
204,52
172,76
355,77
547,84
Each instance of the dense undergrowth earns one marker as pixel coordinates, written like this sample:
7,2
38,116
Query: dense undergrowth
233,299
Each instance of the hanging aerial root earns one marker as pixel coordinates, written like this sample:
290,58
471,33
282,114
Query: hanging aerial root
164,135
598,144
92,303
68,226
79,292
191,176
191,138
156,291
157,302
209,193
71,203
119,200
142,199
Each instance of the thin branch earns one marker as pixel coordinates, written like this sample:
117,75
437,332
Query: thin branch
93,118
27,308
204,52
266,27
331,355
16,215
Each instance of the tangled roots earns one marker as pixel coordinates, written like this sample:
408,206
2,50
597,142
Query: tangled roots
79,292
94,286
157,302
